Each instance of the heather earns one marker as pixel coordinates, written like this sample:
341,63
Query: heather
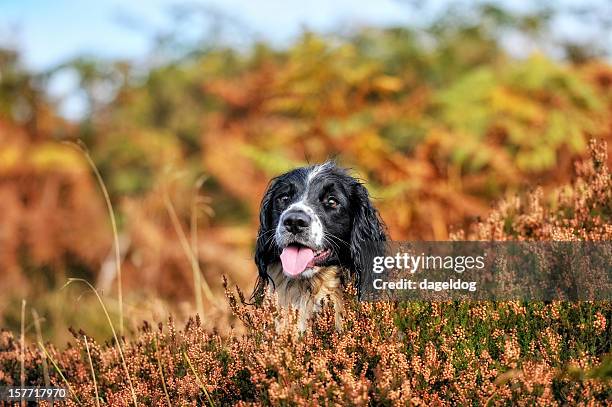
455,136
440,122
418,353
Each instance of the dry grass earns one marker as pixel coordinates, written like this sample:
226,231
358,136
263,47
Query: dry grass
93,373
454,353
118,342
111,215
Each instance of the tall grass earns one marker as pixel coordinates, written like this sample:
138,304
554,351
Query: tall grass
112,327
199,380
60,373
199,282
111,213
22,342
161,372
39,339
93,372
416,353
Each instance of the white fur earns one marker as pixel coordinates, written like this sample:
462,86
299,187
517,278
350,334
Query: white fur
315,171
316,227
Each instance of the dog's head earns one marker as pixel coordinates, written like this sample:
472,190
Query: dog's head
313,217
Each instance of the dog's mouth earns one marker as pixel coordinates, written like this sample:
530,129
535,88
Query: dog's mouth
296,258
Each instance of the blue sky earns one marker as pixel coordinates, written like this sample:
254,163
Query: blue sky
49,32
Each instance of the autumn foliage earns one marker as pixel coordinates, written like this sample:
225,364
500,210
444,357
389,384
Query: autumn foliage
437,147
455,138
388,354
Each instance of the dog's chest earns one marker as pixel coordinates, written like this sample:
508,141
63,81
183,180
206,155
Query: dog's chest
299,292
306,294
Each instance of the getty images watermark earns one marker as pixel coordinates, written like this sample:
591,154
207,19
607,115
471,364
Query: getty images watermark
421,262
487,271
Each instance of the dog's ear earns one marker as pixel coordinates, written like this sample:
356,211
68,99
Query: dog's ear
368,231
263,245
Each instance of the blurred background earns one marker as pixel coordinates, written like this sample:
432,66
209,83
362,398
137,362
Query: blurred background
188,109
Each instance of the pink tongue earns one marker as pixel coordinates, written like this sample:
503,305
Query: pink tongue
295,259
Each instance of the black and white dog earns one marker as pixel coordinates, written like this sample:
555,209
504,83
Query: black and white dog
313,223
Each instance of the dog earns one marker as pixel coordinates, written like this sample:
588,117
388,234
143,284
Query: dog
313,223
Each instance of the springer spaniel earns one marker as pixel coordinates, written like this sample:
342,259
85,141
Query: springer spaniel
313,223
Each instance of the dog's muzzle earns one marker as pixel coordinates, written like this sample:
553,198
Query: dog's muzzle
296,222
300,243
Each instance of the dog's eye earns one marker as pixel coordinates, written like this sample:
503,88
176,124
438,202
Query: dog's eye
283,199
331,202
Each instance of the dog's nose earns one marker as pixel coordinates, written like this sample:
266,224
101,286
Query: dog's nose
297,221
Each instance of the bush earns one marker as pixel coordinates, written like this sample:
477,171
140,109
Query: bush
388,354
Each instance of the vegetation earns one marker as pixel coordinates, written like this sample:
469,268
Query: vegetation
388,354
456,138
